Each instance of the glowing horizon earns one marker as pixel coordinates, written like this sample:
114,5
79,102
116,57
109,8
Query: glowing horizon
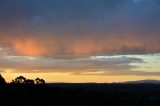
66,78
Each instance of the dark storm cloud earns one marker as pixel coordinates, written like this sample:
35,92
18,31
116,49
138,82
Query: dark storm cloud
79,27
42,14
74,15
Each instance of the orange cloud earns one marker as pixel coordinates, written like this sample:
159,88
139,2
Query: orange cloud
52,46
28,47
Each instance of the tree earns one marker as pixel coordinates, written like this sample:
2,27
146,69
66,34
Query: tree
39,81
19,80
23,80
2,80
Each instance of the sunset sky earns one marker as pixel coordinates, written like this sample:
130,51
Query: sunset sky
80,40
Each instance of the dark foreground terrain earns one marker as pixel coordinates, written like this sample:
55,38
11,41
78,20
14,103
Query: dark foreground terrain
90,94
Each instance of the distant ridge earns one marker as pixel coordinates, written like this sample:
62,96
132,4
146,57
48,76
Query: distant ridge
148,81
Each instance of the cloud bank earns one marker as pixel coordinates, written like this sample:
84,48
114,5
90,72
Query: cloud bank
80,27
94,65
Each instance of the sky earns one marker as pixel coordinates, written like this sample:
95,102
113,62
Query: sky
80,40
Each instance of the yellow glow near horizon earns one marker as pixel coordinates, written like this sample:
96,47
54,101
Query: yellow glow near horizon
61,77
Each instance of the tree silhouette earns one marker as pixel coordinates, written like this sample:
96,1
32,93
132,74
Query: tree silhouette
19,80
2,80
23,80
39,81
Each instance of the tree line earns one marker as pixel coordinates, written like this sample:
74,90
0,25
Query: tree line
22,80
